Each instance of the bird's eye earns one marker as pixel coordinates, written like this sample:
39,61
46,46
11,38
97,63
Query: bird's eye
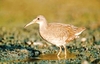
38,18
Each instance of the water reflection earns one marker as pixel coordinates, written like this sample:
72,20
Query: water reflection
48,57
54,56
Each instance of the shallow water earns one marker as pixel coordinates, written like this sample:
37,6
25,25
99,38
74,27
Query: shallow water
48,57
55,57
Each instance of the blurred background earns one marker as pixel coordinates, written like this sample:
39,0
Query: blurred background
15,39
14,13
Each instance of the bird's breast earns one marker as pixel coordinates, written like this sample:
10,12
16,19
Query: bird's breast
53,37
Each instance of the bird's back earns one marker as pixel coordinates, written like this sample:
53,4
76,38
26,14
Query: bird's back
58,31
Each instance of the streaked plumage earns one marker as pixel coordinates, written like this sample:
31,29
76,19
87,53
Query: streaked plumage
57,33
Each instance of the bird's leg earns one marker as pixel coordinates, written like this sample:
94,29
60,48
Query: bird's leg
59,51
65,50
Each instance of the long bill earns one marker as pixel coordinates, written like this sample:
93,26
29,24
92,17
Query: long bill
32,22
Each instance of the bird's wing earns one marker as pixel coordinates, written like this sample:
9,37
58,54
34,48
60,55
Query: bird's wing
62,29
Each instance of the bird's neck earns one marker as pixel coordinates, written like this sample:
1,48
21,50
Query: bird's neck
43,26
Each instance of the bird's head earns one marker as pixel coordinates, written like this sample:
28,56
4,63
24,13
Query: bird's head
39,19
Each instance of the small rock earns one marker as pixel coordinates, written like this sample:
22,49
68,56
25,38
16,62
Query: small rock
85,62
83,39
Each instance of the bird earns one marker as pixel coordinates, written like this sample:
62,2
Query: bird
58,34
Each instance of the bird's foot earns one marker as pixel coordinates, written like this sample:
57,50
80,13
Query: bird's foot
58,56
